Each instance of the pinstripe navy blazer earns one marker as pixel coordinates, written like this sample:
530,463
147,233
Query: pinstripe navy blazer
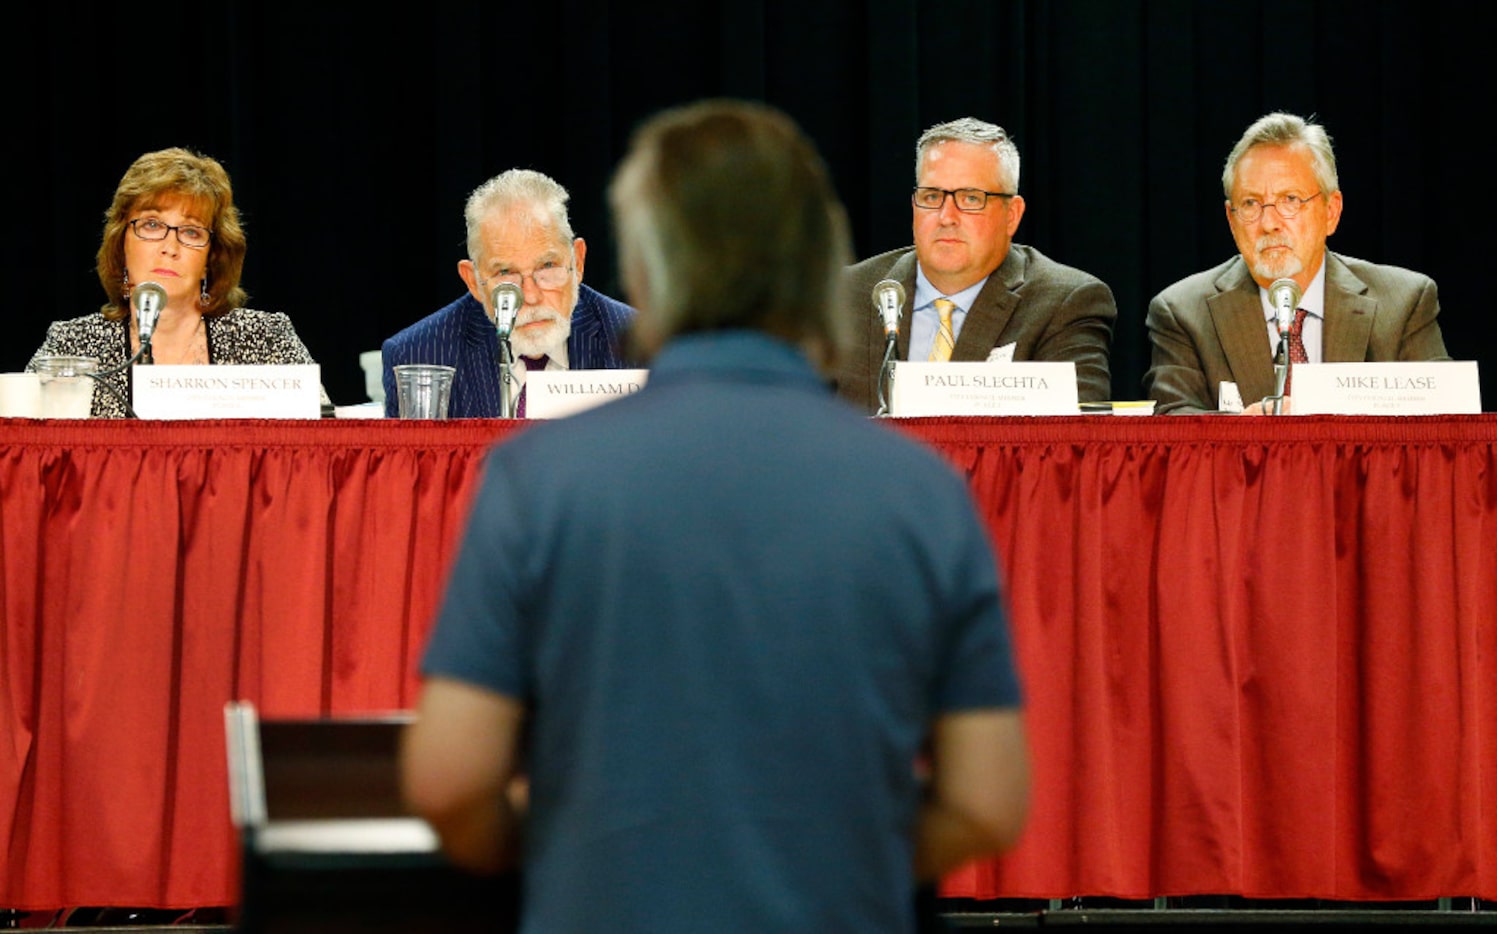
462,336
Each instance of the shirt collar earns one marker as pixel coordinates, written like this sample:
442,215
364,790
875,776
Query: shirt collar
1312,301
745,354
925,293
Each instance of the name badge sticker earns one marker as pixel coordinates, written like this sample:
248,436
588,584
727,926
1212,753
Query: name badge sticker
1004,354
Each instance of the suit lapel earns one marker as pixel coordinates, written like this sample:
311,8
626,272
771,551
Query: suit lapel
1237,314
1349,313
903,272
992,309
478,356
583,350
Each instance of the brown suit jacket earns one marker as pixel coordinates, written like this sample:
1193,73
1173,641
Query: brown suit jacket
1048,311
1209,328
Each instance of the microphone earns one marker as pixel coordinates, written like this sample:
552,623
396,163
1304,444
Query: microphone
888,300
149,298
506,300
1284,296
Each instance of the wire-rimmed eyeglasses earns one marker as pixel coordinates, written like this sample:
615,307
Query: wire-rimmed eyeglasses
547,276
1250,209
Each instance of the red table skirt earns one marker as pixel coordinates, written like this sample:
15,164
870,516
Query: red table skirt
1259,655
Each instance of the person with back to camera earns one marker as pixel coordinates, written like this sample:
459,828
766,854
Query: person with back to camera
709,617
172,222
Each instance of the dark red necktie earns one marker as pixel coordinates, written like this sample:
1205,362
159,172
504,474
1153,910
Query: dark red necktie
1296,345
539,363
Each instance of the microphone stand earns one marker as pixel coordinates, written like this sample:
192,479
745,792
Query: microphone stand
102,378
1283,295
888,299
508,398
1280,375
142,355
886,376
504,308
149,300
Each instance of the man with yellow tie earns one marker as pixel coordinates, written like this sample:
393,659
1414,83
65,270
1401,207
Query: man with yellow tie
971,292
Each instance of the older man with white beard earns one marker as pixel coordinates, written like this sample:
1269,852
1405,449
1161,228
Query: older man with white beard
1218,326
518,232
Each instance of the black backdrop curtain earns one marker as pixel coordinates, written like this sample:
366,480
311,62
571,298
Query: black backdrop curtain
353,133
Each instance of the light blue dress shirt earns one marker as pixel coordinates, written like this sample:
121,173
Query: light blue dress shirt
925,321
1313,301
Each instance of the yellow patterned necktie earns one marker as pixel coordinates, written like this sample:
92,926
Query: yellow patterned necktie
940,350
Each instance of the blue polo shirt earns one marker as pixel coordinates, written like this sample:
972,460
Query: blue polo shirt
734,604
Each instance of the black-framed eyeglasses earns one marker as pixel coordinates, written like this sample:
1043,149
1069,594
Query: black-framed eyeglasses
1250,209
967,200
189,235
546,276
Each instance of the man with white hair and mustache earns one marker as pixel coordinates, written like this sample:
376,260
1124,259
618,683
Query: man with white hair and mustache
1218,326
518,232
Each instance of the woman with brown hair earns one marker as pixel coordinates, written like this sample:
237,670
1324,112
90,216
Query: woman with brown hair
173,223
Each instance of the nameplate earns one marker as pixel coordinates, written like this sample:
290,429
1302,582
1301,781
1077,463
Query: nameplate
559,393
1030,388
290,391
1449,387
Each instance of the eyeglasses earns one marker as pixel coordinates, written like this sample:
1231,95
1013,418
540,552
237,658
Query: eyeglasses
189,235
546,276
967,200
1250,209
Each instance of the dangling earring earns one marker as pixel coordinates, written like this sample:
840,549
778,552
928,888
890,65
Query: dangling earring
126,287
205,301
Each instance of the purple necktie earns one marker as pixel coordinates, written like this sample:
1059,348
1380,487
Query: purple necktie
531,363
1296,345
